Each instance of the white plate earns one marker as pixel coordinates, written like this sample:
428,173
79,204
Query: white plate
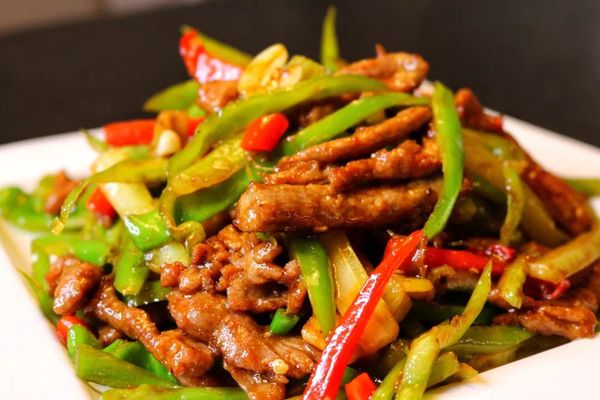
34,365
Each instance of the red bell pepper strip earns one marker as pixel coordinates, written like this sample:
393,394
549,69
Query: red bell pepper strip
63,325
360,388
264,133
203,66
99,204
460,259
540,289
193,124
325,380
129,133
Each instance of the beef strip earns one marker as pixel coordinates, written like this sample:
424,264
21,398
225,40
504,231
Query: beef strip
108,334
62,187
473,115
401,72
186,358
571,322
298,173
407,161
245,267
282,208
365,140
258,361
566,206
72,281
213,96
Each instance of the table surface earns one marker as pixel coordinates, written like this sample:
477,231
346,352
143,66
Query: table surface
535,60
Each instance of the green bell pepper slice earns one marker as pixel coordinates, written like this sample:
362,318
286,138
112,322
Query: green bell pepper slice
136,354
130,269
78,334
330,49
180,96
282,322
145,392
147,230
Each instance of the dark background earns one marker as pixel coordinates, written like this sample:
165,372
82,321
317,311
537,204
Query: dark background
535,60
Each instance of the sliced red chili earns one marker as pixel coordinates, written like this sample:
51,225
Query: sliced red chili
460,259
99,204
129,133
264,133
202,65
360,388
325,380
63,325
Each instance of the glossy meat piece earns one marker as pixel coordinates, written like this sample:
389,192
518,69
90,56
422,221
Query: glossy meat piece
71,282
318,208
473,115
186,358
566,206
248,351
213,96
407,161
108,334
243,266
298,173
570,322
365,140
401,72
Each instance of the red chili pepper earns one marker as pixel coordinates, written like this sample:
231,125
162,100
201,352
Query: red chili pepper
193,124
460,259
63,325
99,204
264,133
539,289
128,133
360,388
203,66
325,380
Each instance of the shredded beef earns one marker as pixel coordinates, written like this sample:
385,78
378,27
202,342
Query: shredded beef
186,358
72,281
566,206
318,208
62,187
249,352
213,96
243,266
365,140
401,72
108,334
473,115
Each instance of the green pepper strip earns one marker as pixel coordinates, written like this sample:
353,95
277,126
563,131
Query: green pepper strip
345,118
19,209
515,203
100,367
510,286
151,292
136,354
42,191
40,265
435,313
147,230
316,274
126,171
236,116
44,300
95,143
145,392
282,322
424,350
489,339
78,334
449,138
482,160
330,50
130,269
180,96
568,259
92,251
589,187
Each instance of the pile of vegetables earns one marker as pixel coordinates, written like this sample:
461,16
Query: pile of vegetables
200,163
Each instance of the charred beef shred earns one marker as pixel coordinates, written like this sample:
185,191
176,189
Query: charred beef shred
258,361
213,96
244,267
72,281
62,186
185,357
402,72
318,208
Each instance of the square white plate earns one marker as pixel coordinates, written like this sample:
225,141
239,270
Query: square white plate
34,365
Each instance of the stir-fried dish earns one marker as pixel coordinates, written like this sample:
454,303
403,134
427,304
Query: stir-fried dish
283,227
